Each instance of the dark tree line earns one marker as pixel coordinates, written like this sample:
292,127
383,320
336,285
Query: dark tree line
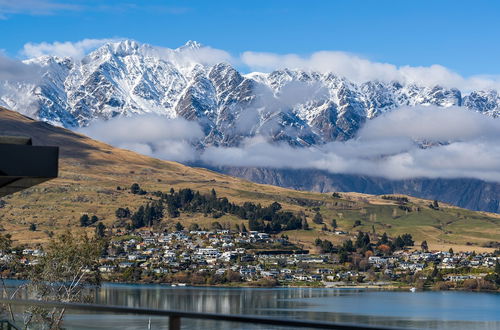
269,219
86,221
148,215
399,199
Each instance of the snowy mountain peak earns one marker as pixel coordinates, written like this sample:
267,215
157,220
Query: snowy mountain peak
191,44
125,77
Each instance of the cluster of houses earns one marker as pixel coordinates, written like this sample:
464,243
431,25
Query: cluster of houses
256,255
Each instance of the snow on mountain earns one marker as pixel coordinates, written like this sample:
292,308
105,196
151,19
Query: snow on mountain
302,108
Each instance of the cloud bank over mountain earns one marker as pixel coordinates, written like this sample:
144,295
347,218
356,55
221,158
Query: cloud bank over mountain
406,143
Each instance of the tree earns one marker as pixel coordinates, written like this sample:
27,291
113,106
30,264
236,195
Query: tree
179,226
5,243
424,246
84,220
135,188
244,229
194,227
318,218
362,241
32,227
304,224
357,223
100,230
93,219
138,218
408,240
334,224
216,226
343,256
122,213
348,246
67,268
435,204
384,239
399,243
327,246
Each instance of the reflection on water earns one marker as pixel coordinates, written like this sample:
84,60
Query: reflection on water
440,310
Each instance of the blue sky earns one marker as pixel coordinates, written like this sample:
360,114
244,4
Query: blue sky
461,35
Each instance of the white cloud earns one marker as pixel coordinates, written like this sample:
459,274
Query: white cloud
156,136
14,70
71,49
463,144
359,69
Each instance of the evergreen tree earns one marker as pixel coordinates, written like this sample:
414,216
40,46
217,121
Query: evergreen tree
179,226
384,239
343,256
138,218
408,240
135,188
348,246
424,246
318,218
93,219
100,230
84,220
334,224
244,229
122,213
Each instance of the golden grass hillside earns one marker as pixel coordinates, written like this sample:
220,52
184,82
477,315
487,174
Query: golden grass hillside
91,171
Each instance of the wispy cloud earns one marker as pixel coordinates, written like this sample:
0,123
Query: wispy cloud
359,69
34,7
152,135
71,49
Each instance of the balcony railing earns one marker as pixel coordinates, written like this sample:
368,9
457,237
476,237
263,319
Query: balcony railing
175,317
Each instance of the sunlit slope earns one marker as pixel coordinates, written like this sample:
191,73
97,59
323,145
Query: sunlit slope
91,171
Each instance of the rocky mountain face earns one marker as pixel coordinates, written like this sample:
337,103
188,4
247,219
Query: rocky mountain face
298,107
302,108
468,193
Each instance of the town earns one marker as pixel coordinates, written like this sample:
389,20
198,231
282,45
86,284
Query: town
226,257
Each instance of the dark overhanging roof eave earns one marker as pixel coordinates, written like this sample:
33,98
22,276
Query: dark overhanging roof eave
23,165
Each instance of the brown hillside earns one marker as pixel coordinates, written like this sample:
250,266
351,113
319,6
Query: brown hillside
91,171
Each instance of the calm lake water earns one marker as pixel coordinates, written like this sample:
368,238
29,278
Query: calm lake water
437,310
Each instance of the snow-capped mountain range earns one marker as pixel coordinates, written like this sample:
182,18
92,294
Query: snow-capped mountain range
303,108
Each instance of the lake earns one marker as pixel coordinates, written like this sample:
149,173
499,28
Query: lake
438,310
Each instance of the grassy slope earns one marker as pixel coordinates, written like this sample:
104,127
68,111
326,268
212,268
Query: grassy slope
90,171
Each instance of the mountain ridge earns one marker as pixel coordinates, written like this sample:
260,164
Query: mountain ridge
301,108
